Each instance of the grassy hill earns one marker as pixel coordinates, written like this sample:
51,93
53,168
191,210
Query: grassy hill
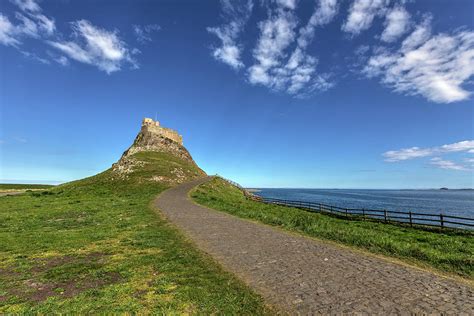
449,251
97,245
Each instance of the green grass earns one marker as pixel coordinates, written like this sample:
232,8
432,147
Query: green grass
96,245
449,251
15,186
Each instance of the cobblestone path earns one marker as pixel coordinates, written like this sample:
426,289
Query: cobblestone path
305,276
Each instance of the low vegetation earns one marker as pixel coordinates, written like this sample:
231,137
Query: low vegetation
97,245
22,187
450,251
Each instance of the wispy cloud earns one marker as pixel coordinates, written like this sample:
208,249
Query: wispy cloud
236,16
27,5
276,34
88,43
62,60
143,33
435,67
96,46
280,58
324,13
8,32
294,73
33,25
362,14
446,164
397,23
407,153
417,152
289,4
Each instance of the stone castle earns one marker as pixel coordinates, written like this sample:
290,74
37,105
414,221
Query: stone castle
153,127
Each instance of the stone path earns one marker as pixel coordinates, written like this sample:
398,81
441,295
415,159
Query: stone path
306,276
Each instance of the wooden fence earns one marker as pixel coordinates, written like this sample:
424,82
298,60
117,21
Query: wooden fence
407,217
411,218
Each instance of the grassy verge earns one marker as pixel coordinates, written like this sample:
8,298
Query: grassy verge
23,187
449,251
96,245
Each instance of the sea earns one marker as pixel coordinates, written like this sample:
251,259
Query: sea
447,202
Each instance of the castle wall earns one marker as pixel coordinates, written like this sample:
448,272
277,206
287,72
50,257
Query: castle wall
155,128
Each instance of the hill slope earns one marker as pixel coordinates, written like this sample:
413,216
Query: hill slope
96,245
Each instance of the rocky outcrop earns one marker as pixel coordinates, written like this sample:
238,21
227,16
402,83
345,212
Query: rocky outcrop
149,140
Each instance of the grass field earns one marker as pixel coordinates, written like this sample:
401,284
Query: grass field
21,187
448,251
96,245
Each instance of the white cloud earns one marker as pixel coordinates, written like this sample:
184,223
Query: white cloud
407,153
323,14
8,32
62,60
470,161
31,24
417,152
294,73
236,16
143,33
362,14
435,67
27,5
89,44
289,4
46,24
397,23
28,27
446,164
35,57
419,36
34,19
96,46
276,34
466,145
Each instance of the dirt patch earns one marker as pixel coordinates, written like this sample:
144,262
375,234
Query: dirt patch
37,287
8,274
38,291
45,264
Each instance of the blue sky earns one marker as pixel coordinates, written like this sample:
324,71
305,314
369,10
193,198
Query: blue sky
320,93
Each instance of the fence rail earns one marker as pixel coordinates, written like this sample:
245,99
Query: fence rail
411,218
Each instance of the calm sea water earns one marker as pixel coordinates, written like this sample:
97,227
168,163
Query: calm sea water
448,202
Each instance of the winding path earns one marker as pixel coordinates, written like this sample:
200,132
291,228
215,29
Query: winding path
306,276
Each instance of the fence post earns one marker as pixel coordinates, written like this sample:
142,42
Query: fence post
385,215
320,209
363,213
441,220
411,221
346,212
